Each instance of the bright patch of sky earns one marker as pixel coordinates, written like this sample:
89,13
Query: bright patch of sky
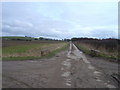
60,19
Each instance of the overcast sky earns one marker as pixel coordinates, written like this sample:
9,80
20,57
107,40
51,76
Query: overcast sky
60,19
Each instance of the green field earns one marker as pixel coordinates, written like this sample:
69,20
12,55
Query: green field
17,38
33,50
20,49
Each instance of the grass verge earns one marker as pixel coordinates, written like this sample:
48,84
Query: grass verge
86,49
57,50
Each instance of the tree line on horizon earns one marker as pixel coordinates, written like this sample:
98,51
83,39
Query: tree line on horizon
43,38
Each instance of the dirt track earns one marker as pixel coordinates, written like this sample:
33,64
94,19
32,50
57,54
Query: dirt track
68,69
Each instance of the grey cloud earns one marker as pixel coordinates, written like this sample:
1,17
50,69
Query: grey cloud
96,31
92,14
64,20
45,27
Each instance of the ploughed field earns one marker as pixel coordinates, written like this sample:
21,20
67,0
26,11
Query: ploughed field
21,50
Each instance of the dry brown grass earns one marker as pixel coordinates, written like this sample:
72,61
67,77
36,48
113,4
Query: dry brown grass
102,49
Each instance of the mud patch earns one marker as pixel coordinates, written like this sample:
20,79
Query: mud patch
66,74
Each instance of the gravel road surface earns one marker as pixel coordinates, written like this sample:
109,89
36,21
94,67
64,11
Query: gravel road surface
67,69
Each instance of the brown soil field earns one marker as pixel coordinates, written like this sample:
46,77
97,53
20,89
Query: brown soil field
6,43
